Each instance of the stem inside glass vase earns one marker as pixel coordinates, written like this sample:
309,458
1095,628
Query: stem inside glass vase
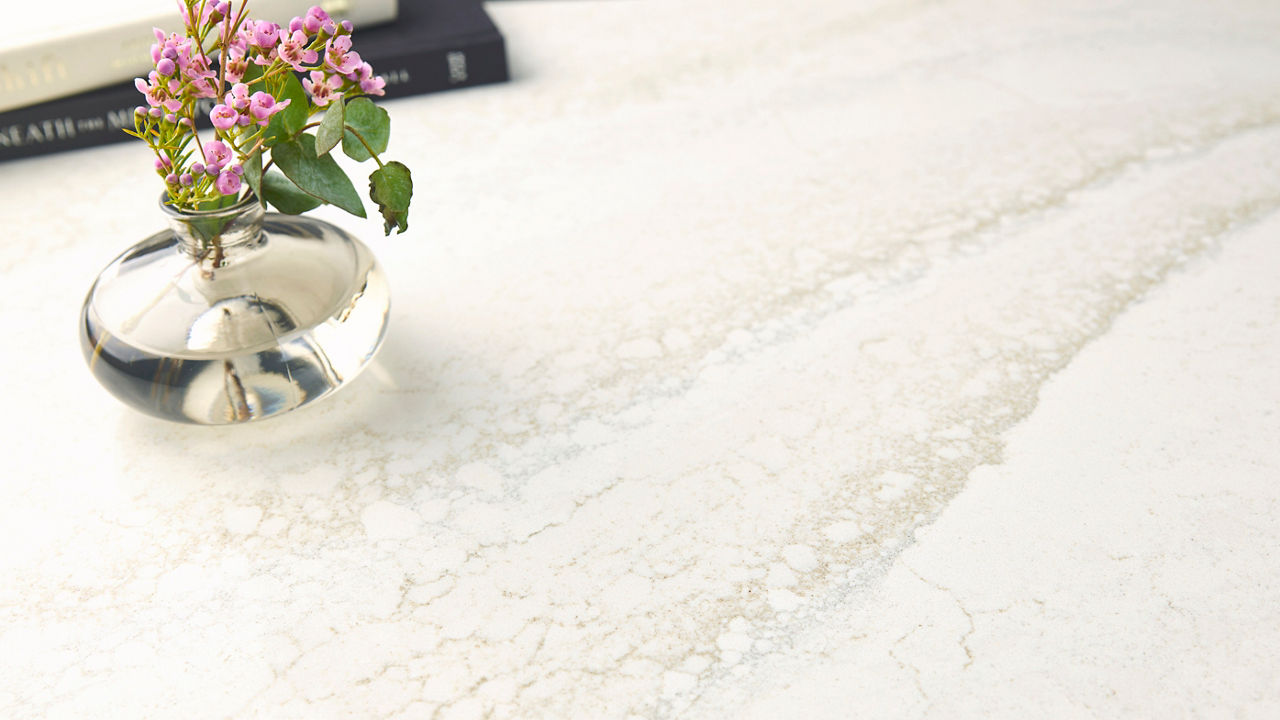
216,236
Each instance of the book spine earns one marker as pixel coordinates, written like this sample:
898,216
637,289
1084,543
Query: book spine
98,117
46,69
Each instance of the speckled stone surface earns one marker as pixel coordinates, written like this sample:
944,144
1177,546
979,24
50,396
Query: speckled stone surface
904,359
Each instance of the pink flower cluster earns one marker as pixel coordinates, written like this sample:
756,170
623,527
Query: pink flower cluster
180,69
217,164
184,72
256,40
342,70
241,108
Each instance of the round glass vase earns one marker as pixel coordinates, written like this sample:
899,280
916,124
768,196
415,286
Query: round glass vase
234,315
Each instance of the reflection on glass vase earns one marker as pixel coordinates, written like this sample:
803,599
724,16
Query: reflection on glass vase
234,315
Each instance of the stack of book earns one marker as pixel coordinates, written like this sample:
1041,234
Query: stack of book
80,93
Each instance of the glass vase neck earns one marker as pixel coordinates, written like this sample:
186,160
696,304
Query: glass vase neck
217,235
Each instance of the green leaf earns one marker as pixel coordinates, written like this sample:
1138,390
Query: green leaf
317,176
373,124
209,229
285,123
285,196
391,187
330,131
295,116
252,72
253,173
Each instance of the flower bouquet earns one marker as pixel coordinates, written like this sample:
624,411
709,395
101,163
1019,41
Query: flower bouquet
262,113
235,314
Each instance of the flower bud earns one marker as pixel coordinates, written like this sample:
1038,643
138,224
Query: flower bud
171,179
165,67
185,180
197,168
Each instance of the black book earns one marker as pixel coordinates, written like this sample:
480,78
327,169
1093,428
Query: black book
433,45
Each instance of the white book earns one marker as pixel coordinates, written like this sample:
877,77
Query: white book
76,45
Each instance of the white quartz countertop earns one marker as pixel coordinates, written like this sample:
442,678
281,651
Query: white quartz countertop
746,360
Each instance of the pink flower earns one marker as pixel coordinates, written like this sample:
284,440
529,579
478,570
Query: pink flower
203,89
200,76
160,93
265,34
154,90
228,183
293,50
223,117
238,41
340,44
238,98
316,19
338,56
237,65
262,106
174,48
265,57
323,89
369,83
216,153
158,47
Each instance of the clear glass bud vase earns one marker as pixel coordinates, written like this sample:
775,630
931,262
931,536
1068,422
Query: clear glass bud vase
234,315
